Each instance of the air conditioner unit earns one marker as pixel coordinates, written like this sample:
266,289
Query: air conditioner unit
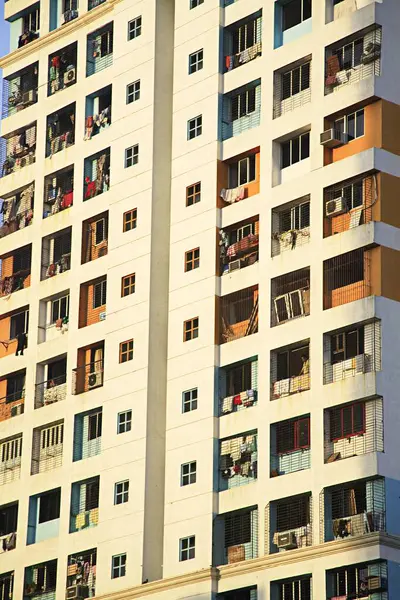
17,409
234,266
334,207
77,592
95,379
371,52
29,97
332,138
287,540
70,76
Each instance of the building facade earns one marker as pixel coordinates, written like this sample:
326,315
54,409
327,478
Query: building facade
199,255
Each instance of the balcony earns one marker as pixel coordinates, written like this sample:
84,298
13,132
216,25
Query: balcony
58,191
85,578
238,245
15,271
292,20
238,178
16,210
12,392
44,516
290,296
347,278
351,351
353,59
362,580
290,446
290,370
238,315
40,581
8,528
20,90
25,27
53,387
62,69
53,322
60,130
47,447
236,536
292,87
92,302
241,110
84,504
10,459
15,326
289,523
87,434
290,225
89,373
99,49
238,461
98,112
56,253
96,174
238,386
353,429
297,587
94,238
18,149
243,41
353,509
7,585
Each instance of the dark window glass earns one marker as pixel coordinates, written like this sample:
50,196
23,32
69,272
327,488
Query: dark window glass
49,506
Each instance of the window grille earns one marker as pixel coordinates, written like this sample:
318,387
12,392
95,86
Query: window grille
248,593
243,43
290,296
40,580
50,391
290,446
241,110
81,570
238,314
238,386
89,376
58,192
15,270
18,150
60,130
299,588
288,524
238,460
362,580
290,370
238,246
87,434
20,90
347,277
47,448
290,225
99,49
292,88
56,253
100,294
238,531
10,459
85,504
6,585
62,64
96,173
16,209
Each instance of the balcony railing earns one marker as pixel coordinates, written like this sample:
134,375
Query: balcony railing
17,97
238,461
290,385
10,459
240,58
350,204
289,524
16,211
18,150
55,268
96,174
238,255
87,377
232,128
48,392
238,532
14,282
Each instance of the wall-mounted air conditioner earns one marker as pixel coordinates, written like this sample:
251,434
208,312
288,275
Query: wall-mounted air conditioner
332,138
334,207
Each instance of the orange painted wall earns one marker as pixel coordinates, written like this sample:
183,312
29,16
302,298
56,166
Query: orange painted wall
87,314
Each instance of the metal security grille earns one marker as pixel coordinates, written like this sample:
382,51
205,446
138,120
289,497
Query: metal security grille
6,585
15,270
244,43
352,60
248,593
96,174
353,509
241,110
293,589
47,448
10,459
50,391
353,429
85,504
290,370
40,580
292,88
290,446
240,535
288,524
238,460
62,64
16,210
58,192
56,254
238,246
347,277
290,225
239,314
81,570
99,49
363,580
87,434
20,90
18,150
349,204
238,386
60,130
290,296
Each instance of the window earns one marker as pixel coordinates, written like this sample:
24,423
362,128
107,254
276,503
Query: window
193,194
121,492
189,400
21,261
194,127
131,156
59,308
188,473
246,36
352,193
352,125
347,421
297,217
194,3
238,234
242,171
294,150
8,520
299,589
31,21
191,329
128,285
292,435
130,220
292,513
100,293
49,506
195,61
19,324
352,582
349,56
347,501
91,491
126,351
187,548
95,426
124,422
100,231
295,81
243,104
295,12
118,566
134,28
133,92
347,344
15,388
192,259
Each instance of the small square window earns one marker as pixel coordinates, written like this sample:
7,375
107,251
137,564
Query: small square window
194,127
121,492
133,92
191,329
187,548
194,3
188,473
192,259
195,61
124,421
193,194
128,285
100,294
134,28
130,220
189,400
126,351
118,566
131,156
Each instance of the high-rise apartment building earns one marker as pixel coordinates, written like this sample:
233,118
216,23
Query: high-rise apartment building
200,300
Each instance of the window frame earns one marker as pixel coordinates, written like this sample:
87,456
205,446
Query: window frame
294,425
95,432
187,548
189,477
129,218
244,104
59,300
104,236
126,354
134,94
345,124
298,138
301,77
124,425
193,192
121,494
194,127
192,259
191,328
340,410
303,18
355,60
131,156
196,61
195,3
188,400
134,28
102,294
128,285
118,565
